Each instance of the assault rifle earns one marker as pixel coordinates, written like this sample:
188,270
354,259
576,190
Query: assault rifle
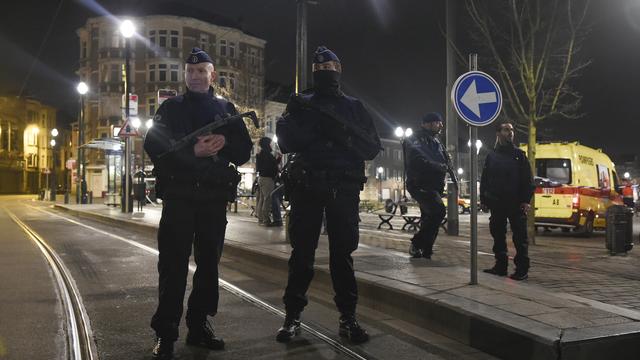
217,123
369,145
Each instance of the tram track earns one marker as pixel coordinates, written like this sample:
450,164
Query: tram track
229,287
79,341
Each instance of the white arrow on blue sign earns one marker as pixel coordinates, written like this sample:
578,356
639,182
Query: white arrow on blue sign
477,98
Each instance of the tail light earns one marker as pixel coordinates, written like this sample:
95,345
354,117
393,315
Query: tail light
576,201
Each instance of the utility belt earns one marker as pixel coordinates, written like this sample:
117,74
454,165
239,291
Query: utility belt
296,176
226,181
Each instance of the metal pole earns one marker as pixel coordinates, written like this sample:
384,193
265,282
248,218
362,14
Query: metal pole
404,170
80,188
54,181
126,207
301,46
453,222
473,182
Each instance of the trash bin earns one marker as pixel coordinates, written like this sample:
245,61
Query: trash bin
619,234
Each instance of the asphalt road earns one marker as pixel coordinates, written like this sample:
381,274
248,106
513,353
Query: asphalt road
115,271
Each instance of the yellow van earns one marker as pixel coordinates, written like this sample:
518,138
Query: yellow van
575,184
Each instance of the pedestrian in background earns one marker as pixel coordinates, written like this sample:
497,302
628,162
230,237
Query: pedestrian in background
197,182
427,167
506,188
267,168
326,177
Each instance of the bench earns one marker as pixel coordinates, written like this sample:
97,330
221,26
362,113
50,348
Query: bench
411,220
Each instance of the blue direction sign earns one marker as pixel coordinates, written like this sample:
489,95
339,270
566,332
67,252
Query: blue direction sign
477,98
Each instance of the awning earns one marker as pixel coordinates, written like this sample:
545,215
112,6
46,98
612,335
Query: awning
109,144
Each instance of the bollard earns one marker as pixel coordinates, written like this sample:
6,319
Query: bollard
91,197
66,197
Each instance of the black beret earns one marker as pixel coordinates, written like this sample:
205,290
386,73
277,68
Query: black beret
432,117
198,56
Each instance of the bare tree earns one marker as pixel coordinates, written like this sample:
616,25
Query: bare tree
533,45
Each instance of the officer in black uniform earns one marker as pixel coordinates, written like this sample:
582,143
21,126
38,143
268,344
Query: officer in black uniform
327,176
506,188
427,166
195,183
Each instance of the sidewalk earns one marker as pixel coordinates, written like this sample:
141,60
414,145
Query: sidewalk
508,319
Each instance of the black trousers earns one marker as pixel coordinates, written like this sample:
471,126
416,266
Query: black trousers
307,207
432,212
186,223
498,227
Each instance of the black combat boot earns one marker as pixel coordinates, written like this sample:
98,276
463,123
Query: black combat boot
350,329
519,275
289,329
496,270
204,336
163,350
415,252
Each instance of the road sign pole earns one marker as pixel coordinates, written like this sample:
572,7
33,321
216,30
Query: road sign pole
126,206
473,132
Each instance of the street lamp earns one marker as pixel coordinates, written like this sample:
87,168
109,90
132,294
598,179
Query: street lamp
478,145
403,134
379,171
127,29
54,182
627,175
81,186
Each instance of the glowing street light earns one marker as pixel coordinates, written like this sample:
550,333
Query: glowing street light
54,132
52,142
127,29
627,175
135,122
82,88
149,123
460,171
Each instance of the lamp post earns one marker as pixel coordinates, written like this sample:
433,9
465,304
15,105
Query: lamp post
379,172
403,134
127,29
54,182
81,186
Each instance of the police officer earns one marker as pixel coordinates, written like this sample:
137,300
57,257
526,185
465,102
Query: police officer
326,176
427,166
506,188
196,183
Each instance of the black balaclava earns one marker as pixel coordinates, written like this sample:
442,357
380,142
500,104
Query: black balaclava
327,82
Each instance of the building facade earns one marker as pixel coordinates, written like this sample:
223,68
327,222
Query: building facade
26,154
157,54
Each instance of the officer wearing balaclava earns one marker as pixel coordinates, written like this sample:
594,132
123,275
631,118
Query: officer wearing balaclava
326,176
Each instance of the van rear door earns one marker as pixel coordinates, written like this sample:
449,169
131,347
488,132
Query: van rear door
553,198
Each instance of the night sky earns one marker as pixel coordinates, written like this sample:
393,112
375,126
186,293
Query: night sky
392,52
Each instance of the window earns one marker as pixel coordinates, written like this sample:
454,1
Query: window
232,50
114,73
151,106
223,79
232,81
117,41
174,73
223,47
83,50
556,170
604,181
174,38
162,38
152,72
152,38
204,42
162,72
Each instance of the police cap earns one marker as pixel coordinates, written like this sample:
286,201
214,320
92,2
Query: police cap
198,56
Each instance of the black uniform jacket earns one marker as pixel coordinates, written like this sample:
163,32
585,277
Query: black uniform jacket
266,164
321,143
506,178
182,174
426,161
